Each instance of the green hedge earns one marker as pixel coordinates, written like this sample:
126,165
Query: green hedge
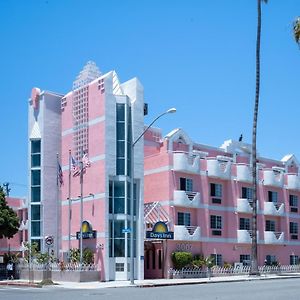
181,259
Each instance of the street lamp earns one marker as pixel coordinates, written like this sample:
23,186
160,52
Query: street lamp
171,110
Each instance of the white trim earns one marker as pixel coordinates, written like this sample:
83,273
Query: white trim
157,170
90,124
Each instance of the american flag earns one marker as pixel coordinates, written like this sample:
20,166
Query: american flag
86,162
60,178
75,166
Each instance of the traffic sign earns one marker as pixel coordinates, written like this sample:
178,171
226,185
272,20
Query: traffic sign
49,240
126,230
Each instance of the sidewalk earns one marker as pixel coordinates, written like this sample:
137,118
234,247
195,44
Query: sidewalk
151,282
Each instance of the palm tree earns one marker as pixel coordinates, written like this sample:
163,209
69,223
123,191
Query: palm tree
254,266
296,30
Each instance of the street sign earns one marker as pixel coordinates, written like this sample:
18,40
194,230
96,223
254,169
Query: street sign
126,230
49,240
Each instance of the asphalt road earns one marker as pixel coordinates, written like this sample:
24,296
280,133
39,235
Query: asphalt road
288,289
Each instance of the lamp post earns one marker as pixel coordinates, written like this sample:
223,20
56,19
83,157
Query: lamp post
171,110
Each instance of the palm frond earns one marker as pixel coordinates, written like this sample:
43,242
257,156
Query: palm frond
296,30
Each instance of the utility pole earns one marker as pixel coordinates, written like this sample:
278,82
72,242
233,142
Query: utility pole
6,188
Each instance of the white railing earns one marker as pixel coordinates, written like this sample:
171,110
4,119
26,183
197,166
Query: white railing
293,182
272,237
218,168
58,266
245,205
274,209
245,236
243,173
184,162
273,178
187,233
231,271
187,199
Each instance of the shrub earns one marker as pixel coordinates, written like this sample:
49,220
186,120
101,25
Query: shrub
181,259
88,256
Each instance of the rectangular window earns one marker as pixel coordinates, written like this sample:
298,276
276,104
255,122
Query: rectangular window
35,213
35,228
293,199
216,193
36,194
272,197
294,260
186,184
270,260
217,259
119,267
35,177
247,193
119,197
294,230
244,224
216,225
270,225
184,219
245,259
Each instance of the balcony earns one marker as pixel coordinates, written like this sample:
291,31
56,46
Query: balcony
243,173
273,178
183,162
293,182
187,233
187,199
273,209
245,206
272,237
219,168
245,236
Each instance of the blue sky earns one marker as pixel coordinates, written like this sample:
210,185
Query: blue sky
195,55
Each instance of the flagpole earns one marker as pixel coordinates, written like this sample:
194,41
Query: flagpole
57,201
69,195
81,205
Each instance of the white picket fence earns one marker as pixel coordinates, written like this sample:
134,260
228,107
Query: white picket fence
220,271
58,266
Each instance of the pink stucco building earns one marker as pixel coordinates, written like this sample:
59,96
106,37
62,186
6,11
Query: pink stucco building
204,194
16,243
94,123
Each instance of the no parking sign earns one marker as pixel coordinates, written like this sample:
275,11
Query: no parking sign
49,241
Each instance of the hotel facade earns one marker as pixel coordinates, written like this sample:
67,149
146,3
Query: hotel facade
96,119
202,194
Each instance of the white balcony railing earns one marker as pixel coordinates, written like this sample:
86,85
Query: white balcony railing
243,173
273,178
187,199
245,206
272,237
245,237
273,209
187,233
218,168
293,181
183,162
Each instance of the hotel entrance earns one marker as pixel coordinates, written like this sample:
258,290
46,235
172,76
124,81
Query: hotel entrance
157,224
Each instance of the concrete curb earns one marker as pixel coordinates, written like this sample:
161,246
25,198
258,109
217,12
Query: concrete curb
158,283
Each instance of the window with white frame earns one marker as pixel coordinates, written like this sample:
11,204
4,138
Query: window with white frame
217,259
293,200
184,219
245,259
294,259
294,230
247,193
216,193
270,225
186,184
216,224
244,224
272,197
